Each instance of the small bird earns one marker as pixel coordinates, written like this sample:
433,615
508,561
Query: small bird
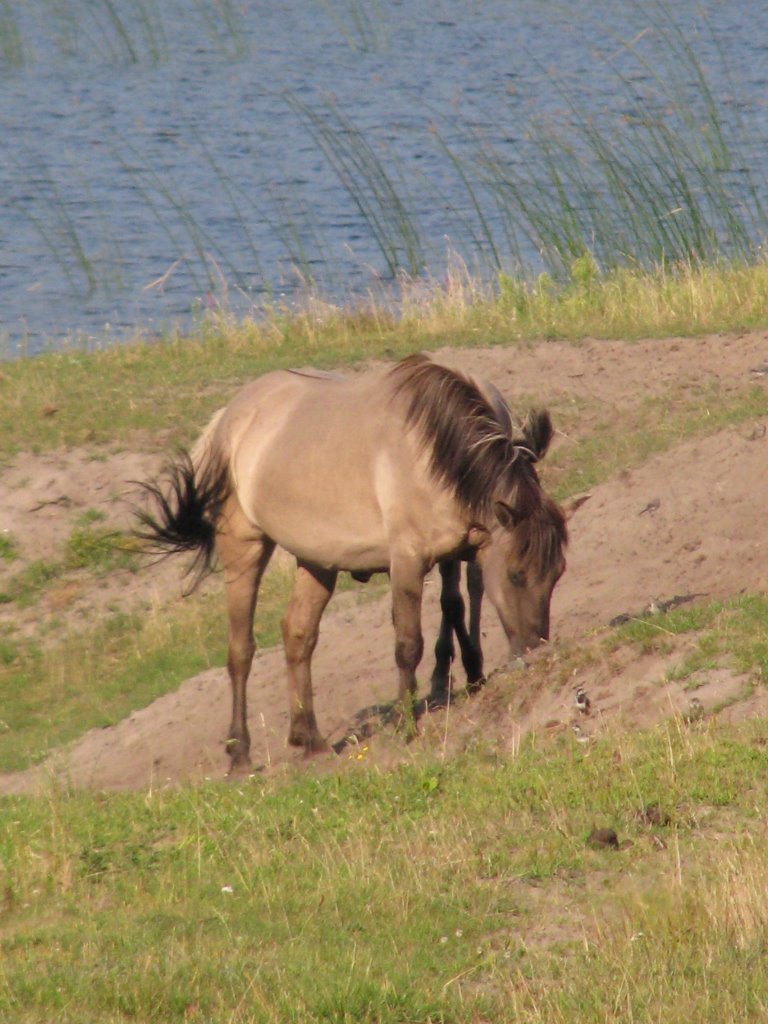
760,371
651,507
582,701
578,732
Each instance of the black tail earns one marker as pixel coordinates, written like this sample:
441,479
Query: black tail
187,502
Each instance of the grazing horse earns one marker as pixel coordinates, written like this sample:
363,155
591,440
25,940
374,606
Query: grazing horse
391,471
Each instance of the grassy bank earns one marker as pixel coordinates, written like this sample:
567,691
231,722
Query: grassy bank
441,892
161,391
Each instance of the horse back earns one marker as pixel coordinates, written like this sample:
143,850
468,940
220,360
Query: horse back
326,466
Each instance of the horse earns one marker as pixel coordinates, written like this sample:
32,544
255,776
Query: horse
393,471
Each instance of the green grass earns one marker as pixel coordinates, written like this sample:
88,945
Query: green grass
733,632
444,892
97,675
8,551
630,436
159,394
90,548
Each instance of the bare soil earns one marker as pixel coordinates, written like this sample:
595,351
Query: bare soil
688,523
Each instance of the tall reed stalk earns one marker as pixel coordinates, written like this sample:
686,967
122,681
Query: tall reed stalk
117,31
361,23
11,45
59,231
223,20
369,185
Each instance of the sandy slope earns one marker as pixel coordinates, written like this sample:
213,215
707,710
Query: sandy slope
706,536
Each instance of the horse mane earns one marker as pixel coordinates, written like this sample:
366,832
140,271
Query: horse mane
470,450
542,536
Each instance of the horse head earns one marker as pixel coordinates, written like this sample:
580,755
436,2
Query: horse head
522,553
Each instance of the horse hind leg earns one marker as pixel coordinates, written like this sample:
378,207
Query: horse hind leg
472,655
312,591
453,621
452,609
244,564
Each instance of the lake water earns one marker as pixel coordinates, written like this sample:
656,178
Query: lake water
161,156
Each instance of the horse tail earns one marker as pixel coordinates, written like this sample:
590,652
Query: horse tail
183,505
204,446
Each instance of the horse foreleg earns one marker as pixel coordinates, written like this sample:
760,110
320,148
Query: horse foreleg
244,565
407,578
452,609
472,657
301,627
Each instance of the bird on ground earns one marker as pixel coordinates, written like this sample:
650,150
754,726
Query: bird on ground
582,701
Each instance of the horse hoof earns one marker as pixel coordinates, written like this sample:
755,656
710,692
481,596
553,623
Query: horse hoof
315,747
311,744
476,685
239,769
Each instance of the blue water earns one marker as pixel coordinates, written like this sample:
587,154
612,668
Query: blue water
164,162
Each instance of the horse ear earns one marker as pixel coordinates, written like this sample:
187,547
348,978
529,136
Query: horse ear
506,515
537,432
571,507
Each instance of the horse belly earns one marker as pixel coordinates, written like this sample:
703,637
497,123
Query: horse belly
326,536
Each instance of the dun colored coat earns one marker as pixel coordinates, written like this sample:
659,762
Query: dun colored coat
394,471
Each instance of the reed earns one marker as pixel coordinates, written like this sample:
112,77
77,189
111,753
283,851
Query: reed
225,25
360,23
195,243
368,183
125,32
666,184
11,44
52,219
191,244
